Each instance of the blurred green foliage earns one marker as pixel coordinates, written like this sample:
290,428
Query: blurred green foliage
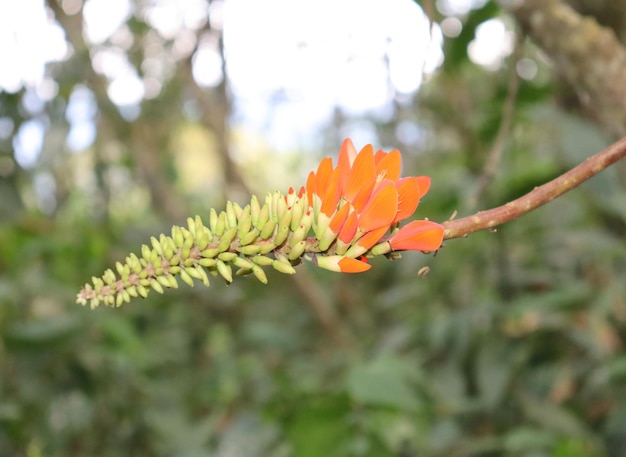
512,345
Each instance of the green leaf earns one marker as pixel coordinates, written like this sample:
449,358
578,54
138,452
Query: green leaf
319,426
386,381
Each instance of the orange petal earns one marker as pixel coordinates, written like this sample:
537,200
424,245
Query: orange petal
349,228
347,154
379,155
372,237
408,197
423,182
418,236
348,265
322,176
362,174
338,220
381,208
330,194
310,187
389,165
340,263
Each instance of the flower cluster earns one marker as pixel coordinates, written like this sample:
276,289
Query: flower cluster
344,215
357,202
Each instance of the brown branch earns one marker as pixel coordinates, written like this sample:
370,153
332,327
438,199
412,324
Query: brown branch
539,196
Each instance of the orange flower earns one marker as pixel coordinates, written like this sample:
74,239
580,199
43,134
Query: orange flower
357,202
417,236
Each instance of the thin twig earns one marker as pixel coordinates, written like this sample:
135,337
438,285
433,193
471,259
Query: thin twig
508,108
537,197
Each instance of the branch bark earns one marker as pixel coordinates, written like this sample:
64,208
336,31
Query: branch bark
537,197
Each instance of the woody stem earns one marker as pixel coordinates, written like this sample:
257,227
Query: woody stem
537,197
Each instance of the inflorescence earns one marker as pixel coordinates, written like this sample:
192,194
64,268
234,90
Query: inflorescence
344,215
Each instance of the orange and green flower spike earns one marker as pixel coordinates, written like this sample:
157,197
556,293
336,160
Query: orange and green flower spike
342,216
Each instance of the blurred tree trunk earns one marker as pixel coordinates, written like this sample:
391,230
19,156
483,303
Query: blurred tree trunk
147,148
589,56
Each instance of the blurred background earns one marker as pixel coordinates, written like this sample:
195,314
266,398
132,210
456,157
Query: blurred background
119,118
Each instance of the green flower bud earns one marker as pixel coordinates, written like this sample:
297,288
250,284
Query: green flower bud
242,262
227,238
327,239
297,235
245,223
141,290
262,260
221,224
297,211
109,276
381,249
156,286
280,205
193,272
231,217
225,271
268,247
200,227
297,250
177,236
134,263
213,220
210,252
202,276
156,246
250,249
238,210
227,256
243,271
284,221
172,282
255,210
264,217
168,251
189,262
163,281
202,241
268,229
146,253
341,248
249,237
281,235
207,262
259,274
185,277
191,226
283,267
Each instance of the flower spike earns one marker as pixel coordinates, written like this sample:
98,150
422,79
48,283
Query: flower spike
339,218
